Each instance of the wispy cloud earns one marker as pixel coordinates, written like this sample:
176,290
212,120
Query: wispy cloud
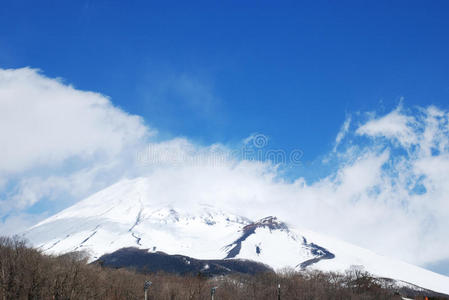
343,130
395,126
172,92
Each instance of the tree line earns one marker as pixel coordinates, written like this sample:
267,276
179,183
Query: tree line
26,273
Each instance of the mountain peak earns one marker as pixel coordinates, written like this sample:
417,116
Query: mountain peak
270,222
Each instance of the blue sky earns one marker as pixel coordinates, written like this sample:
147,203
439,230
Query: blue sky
290,70
215,73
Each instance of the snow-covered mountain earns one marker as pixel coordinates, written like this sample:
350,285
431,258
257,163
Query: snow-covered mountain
122,216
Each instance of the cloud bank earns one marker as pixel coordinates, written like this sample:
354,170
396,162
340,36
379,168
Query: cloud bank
57,139
388,192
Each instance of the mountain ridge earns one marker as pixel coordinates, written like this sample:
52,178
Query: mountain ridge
123,216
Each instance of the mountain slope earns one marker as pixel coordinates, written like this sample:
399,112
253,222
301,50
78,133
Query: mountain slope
269,240
122,216
142,260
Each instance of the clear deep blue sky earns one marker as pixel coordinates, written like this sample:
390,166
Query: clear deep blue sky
217,71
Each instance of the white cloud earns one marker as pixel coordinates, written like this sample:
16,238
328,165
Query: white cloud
57,140
394,125
45,122
388,194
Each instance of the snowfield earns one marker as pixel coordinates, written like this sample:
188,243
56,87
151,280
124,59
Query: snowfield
123,216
